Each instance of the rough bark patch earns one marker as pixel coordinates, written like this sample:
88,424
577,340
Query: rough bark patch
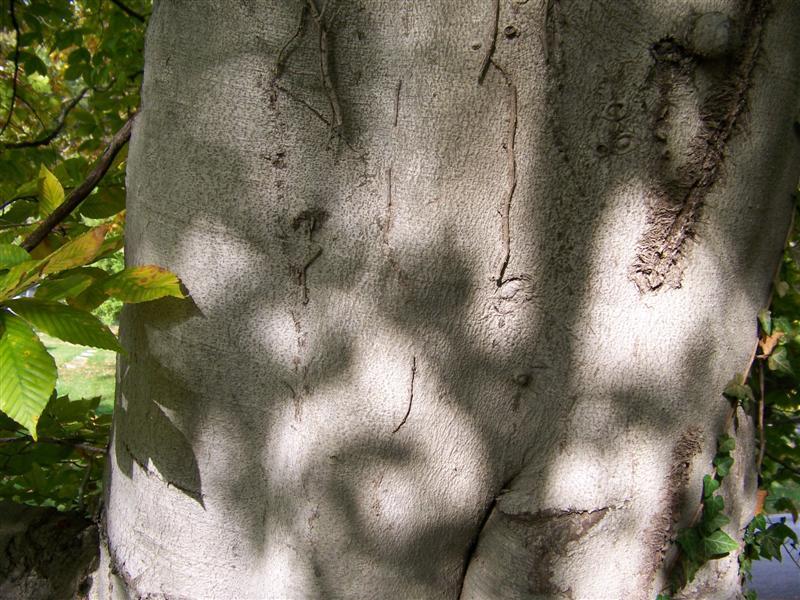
44,553
659,535
679,201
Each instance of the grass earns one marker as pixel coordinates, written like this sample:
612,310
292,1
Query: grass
84,372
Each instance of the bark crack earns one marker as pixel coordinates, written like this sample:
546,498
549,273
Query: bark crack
387,225
302,275
397,100
491,40
511,157
410,394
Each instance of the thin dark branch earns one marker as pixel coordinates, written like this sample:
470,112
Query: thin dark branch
62,119
10,202
16,67
72,443
22,99
128,10
84,189
788,467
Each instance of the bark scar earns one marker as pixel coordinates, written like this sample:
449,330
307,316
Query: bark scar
324,66
387,225
410,394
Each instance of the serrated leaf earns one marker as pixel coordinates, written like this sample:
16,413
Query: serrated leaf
765,320
142,284
27,372
65,323
78,252
51,194
11,255
19,278
719,544
64,287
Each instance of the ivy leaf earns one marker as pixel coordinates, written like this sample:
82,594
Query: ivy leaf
12,255
723,465
27,372
725,444
51,194
779,361
142,284
719,544
765,320
717,521
66,323
78,252
739,391
710,485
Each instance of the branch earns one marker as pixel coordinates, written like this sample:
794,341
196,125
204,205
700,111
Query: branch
84,189
16,68
72,443
128,10
62,119
788,467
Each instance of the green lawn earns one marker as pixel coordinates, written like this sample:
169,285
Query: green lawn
83,372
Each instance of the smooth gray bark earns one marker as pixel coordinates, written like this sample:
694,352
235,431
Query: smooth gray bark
468,280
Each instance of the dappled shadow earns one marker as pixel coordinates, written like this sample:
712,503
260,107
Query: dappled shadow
361,404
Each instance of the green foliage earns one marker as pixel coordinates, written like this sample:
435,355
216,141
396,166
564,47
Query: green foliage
75,75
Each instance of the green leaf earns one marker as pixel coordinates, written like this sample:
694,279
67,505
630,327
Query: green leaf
19,278
723,465
710,485
78,252
714,522
68,286
27,372
739,391
765,320
51,194
142,284
66,323
106,202
725,444
690,542
719,544
779,361
11,255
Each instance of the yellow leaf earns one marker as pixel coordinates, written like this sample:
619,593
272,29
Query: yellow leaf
51,194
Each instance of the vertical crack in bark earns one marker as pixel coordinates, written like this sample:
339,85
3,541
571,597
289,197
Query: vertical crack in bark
324,66
284,53
397,100
303,274
491,40
387,224
505,209
410,394
673,223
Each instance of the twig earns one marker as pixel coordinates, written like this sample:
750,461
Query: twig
410,394
128,10
794,470
77,444
84,189
762,440
84,481
30,106
62,119
15,23
490,41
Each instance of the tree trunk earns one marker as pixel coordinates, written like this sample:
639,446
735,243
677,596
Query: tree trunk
468,280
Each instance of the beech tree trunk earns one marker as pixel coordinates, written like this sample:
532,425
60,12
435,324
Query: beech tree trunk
468,280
